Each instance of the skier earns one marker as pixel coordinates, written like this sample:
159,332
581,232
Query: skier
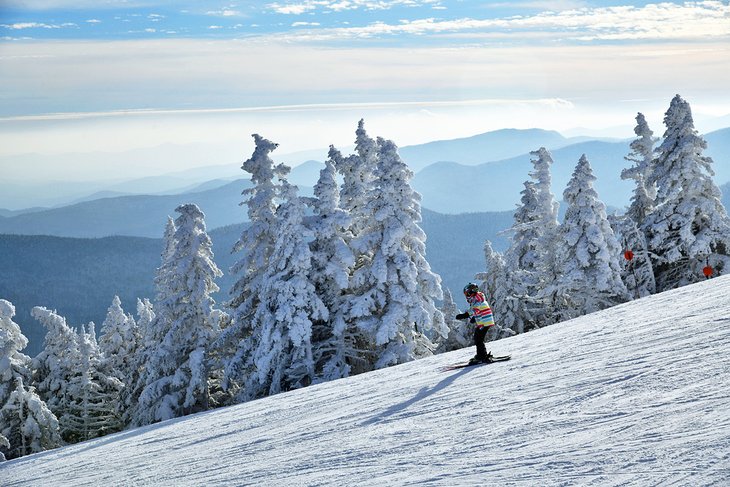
481,316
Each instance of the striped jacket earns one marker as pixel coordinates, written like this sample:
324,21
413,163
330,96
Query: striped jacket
480,310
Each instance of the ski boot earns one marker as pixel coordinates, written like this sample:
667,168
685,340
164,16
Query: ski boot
481,359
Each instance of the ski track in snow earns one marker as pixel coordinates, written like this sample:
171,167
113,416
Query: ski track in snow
635,395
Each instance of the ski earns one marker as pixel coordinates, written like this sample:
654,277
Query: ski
463,365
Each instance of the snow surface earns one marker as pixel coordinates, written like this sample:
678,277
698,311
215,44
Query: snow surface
635,395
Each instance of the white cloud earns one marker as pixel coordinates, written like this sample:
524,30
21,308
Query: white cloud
140,73
305,6
29,25
544,5
665,21
293,9
93,21
224,13
40,5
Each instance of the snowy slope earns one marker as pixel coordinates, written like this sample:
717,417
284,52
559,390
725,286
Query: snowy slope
635,395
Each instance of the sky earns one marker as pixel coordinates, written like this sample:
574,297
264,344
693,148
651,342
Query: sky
119,75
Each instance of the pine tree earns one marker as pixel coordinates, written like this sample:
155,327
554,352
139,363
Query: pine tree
161,278
94,408
57,363
119,342
460,332
153,332
4,447
494,281
138,364
394,287
689,227
358,171
589,274
13,363
543,271
281,353
636,269
179,370
332,259
26,423
524,301
358,183
642,155
234,344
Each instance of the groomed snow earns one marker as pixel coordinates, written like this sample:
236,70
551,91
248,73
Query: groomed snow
634,395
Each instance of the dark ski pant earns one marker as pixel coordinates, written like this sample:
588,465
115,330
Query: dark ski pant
480,333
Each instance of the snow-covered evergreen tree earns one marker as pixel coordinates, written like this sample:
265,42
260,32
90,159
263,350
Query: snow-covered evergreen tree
94,408
358,173
642,155
161,279
281,353
257,244
589,273
542,271
4,447
178,370
137,379
494,286
493,275
119,342
26,423
393,286
332,259
689,227
524,302
461,333
13,363
57,363
636,269
153,332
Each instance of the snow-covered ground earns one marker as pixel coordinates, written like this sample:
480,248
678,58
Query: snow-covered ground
635,395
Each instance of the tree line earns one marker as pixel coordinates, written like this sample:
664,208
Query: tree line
327,286
338,284
675,232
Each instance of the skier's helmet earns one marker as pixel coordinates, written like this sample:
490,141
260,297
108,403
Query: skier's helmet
471,289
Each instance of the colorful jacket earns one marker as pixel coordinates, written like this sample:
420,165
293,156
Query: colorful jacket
480,310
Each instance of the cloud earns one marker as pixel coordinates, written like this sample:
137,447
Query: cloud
29,25
92,88
224,13
40,5
301,7
543,5
293,9
664,21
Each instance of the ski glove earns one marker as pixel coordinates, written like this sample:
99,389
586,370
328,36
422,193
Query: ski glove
462,316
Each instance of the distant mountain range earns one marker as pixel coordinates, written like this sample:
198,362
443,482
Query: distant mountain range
479,149
455,187
446,187
80,276
142,216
